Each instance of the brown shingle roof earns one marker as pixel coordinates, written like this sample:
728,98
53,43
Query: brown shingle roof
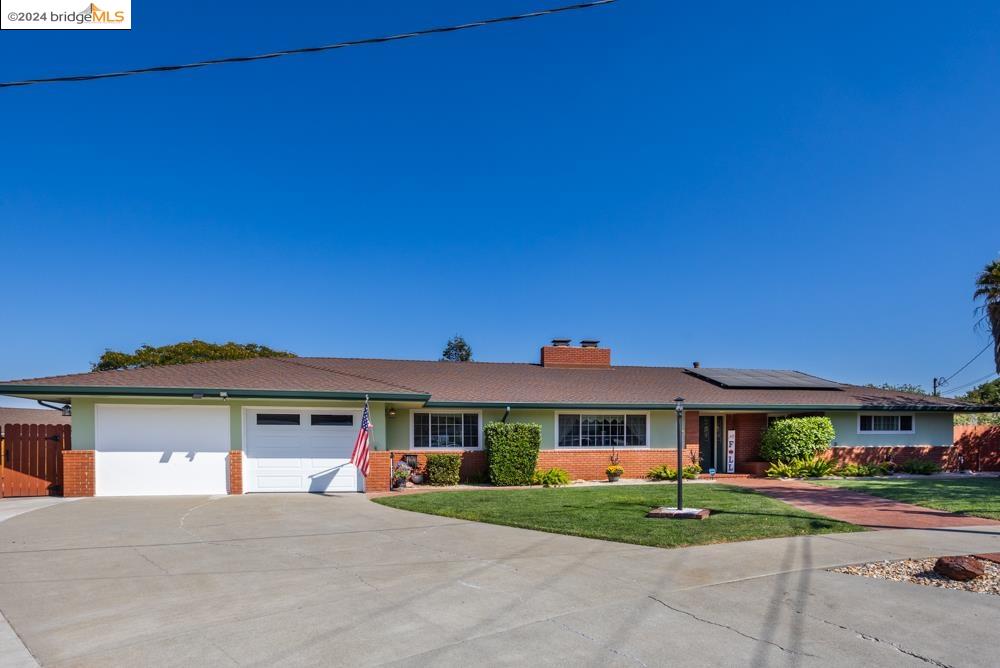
472,383
32,416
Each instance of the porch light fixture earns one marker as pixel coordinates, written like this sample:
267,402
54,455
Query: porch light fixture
392,411
67,411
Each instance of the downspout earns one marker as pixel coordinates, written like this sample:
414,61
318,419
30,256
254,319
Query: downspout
65,410
506,414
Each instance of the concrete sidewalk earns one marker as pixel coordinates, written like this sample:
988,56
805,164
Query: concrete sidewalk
858,508
338,580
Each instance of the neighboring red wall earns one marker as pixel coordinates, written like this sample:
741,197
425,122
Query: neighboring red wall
78,472
234,464
979,445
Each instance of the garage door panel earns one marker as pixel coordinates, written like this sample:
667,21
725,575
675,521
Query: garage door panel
307,457
160,450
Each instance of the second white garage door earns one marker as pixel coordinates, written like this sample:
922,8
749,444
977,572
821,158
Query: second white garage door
289,450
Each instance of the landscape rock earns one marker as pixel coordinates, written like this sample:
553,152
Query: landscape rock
959,568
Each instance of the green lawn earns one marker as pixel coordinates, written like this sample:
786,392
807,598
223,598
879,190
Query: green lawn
979,497
618,513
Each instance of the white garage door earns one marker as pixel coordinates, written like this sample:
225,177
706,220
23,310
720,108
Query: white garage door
289,450
160,449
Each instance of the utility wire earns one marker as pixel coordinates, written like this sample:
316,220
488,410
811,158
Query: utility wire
312,49
966,365
975,382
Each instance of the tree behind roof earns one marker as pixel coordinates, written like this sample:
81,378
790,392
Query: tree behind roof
184,352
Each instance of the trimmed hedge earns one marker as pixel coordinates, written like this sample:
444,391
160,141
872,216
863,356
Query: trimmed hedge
443,468
512,450
796,438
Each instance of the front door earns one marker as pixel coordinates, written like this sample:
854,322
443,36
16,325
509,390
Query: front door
711,442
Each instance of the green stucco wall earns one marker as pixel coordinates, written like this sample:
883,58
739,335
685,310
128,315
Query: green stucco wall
929,429
393,432
83,415
663,425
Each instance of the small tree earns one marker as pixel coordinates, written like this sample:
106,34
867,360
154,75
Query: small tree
457,350
796,438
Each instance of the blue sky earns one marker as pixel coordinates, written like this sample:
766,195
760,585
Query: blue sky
756,185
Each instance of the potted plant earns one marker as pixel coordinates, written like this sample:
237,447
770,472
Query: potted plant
400,474
417,478
614,472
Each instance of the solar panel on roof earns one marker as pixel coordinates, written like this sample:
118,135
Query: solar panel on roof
764,379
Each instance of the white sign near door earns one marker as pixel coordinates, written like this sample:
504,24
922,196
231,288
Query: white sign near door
731,451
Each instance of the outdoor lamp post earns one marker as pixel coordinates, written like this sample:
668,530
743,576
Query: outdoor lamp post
680,452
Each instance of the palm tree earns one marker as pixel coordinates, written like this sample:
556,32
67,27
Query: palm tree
988,288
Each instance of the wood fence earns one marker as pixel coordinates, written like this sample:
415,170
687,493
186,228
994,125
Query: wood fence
32,459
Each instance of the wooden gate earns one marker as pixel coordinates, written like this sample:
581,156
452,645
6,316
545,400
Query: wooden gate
32,459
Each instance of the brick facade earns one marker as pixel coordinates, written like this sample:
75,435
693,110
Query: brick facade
749,428
473,466
944,456
234,466
590,464
574,357
78,472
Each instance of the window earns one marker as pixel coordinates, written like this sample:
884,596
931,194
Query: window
885,424
446,430
277,418
613,430
331,420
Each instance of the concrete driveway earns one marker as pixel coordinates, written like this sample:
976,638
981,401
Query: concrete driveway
339,580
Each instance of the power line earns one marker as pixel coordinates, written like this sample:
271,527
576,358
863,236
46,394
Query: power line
975,382
966,365
312,49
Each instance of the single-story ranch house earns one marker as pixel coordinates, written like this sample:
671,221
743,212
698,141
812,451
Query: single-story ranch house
288,425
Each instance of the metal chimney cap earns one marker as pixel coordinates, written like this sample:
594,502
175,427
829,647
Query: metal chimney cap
561,342
589,343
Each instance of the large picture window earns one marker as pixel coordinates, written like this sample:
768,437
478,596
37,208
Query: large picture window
885,424
446,430
605,430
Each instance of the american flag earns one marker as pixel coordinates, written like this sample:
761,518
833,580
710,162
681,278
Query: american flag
360,455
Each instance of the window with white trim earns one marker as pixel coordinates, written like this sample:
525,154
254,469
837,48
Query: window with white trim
885,424
606,430
446,430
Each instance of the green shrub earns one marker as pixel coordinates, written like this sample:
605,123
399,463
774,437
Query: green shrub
811,467
664,472
796,438
512,450
554,477
443,468
919,467
859,470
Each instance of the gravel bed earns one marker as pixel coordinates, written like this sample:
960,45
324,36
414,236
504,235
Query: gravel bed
921,571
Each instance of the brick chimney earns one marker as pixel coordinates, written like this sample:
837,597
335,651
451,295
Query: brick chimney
562,355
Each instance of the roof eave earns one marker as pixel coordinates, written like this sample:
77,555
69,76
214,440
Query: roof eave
713,407
76,390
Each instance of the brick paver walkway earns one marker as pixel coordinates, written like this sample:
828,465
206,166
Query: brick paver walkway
856,507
